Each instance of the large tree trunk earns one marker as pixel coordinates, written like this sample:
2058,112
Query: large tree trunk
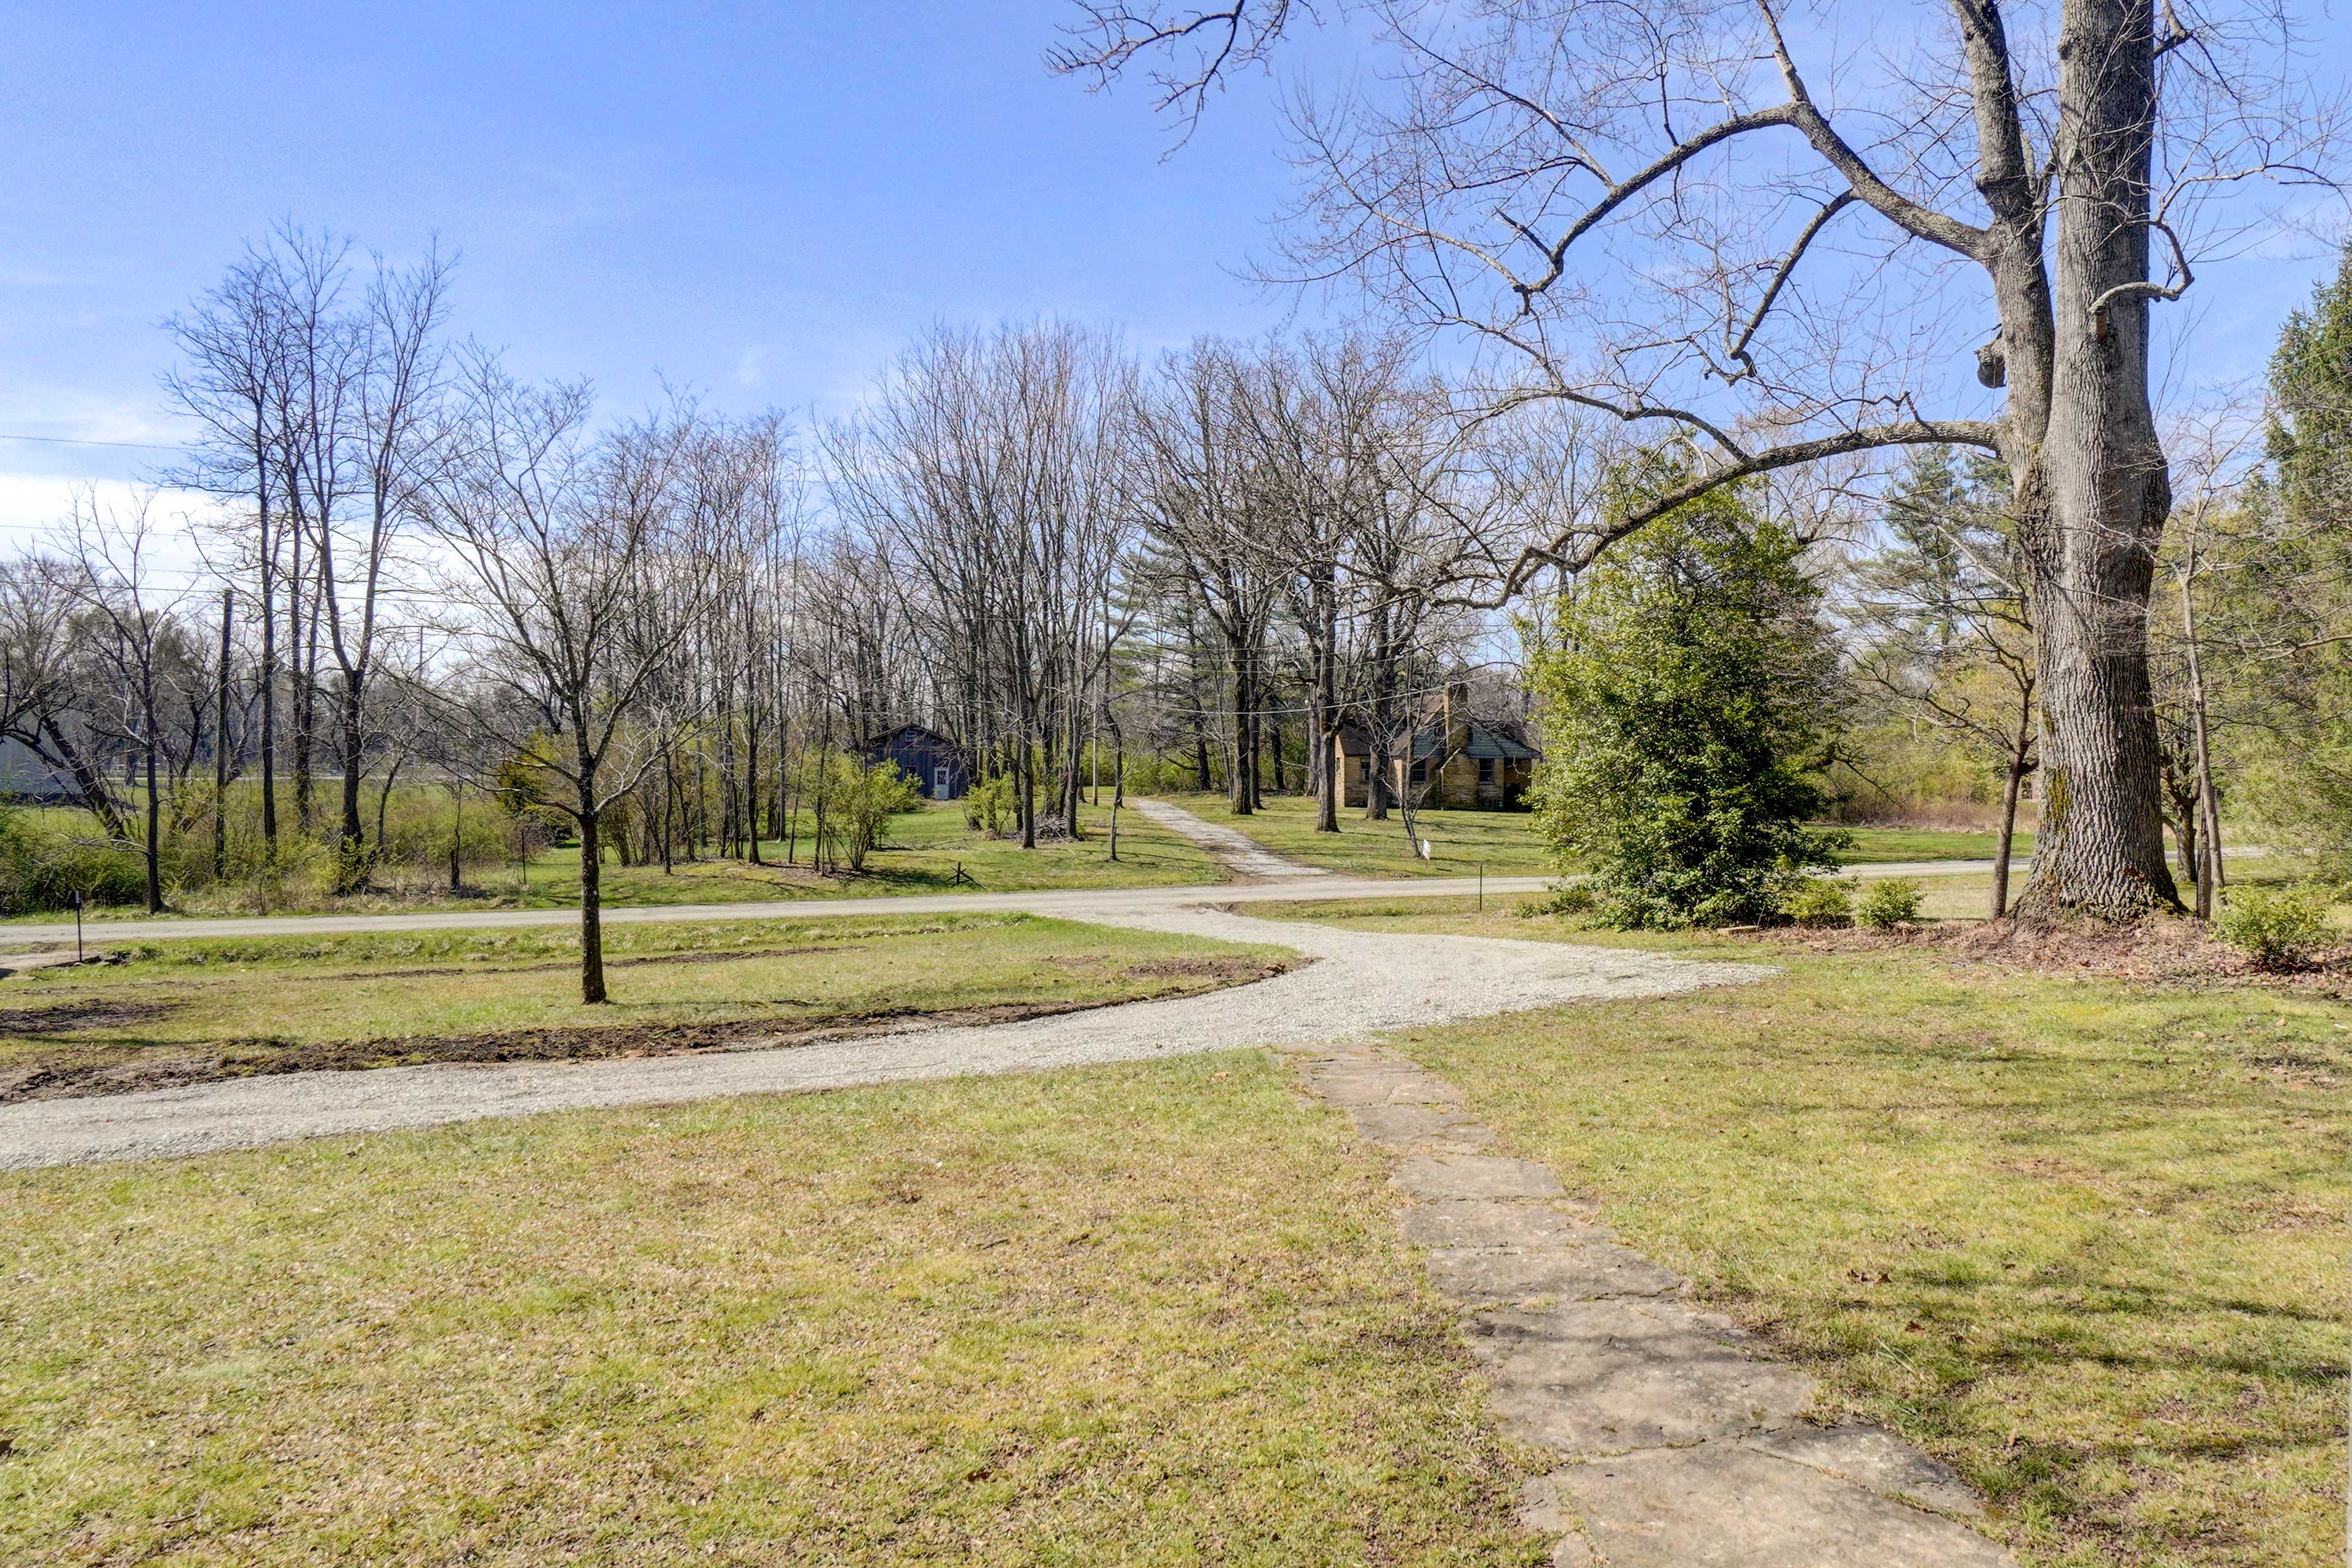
2093,492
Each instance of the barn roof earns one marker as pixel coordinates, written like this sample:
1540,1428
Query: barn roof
912,732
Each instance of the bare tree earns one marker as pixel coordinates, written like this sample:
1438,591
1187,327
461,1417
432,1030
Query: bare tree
555,543
235,384
1789,254
1205,500
394,388
113,582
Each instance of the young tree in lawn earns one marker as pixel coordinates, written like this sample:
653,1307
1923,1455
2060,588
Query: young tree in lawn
1686,703
1659,217
553,543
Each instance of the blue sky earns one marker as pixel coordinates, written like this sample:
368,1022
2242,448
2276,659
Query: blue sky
759,201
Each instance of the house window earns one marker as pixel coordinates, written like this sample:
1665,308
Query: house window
1486,771
1421,773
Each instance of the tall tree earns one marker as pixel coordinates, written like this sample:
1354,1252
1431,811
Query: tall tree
1787,254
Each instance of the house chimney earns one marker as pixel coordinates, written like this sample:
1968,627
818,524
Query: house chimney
1457,715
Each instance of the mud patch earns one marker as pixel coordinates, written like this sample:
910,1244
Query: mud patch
569,965
1228,971
66,1017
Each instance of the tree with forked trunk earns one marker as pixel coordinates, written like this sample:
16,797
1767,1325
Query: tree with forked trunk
1656,214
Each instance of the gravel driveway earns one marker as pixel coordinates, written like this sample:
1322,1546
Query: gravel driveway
1359,984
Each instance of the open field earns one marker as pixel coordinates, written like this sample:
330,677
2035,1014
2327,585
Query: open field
2085,1240
1503,841
924,852
1137,1314
179,1010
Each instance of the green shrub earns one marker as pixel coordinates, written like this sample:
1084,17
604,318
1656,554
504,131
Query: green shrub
1562,899
2275,928
1892,903
42,869
988,806
1821,901
1687,689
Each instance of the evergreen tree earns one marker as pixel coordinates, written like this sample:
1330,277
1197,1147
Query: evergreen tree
1686,704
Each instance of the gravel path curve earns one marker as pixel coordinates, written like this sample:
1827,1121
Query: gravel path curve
1359,984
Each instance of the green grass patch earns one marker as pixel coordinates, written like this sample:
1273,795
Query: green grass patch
1147,1314
925,852
273,1002
2084,1240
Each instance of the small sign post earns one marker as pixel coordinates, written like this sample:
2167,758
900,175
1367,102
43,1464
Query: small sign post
77,904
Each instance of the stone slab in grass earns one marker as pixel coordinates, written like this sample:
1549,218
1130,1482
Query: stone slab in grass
1730,1505
1599,1377
1876,1458
1351,1084
1576,1273
1475,1176
1429,1128
1486,1223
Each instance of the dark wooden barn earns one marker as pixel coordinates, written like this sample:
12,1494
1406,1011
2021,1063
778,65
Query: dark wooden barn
936,764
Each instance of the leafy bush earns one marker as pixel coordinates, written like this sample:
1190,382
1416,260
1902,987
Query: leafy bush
1562,899
851,803
1893,902
988,806
1685,702
41,870
2275,928
1819,902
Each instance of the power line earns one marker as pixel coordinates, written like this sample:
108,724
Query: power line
79,441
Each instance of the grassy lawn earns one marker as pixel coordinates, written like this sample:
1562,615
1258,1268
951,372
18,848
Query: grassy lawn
2086,1240
1459,841
1504,841
924,852
1142,1314
222,1007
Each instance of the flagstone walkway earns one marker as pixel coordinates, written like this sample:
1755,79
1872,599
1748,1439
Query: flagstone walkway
1682,1444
